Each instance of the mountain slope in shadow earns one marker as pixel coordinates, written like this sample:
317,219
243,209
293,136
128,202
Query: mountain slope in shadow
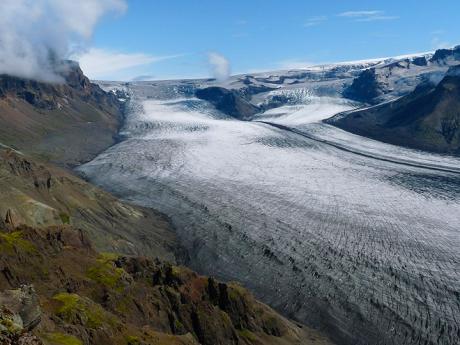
427,119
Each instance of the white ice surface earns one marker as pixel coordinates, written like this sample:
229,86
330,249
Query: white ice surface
336,239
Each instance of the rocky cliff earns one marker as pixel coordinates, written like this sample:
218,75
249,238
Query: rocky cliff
66,123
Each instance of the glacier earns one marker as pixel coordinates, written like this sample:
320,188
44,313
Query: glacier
357,238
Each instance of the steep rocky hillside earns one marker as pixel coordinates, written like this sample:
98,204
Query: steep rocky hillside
38,194
81,297
428,118
67,123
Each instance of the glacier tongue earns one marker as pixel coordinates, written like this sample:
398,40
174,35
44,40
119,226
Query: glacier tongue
365,249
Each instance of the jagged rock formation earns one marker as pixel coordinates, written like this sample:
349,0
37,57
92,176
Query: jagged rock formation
67,123
37,194
228,101
443,55
428,118
96,299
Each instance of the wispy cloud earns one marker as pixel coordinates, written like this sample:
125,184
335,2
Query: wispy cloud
314,21
103,64
359,14
367,16
220,66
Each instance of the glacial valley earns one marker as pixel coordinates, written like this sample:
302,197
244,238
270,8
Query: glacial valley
355,237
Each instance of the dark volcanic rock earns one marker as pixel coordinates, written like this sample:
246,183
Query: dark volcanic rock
365,88
420,61
228,101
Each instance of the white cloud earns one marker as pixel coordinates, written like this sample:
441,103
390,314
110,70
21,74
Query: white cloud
106,64
220,66
314,21
35,34
367,16
354,14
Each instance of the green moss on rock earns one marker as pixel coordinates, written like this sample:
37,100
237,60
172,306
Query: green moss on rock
247,334
75,309
132,340
65,218
105,272
61,339
11,240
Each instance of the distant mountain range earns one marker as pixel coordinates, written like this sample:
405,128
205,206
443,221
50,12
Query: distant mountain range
415,97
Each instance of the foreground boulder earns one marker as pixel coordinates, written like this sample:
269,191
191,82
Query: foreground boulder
20,313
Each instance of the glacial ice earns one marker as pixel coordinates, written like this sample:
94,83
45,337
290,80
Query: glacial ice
365,249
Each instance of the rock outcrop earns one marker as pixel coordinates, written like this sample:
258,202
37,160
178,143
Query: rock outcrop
20,313
228,101
366,87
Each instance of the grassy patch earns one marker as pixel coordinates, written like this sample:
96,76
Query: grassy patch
247,334
132,340
105,272
75,309
69,302
61,339
65,218
11,240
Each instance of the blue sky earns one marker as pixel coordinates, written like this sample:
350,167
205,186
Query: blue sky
172,39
